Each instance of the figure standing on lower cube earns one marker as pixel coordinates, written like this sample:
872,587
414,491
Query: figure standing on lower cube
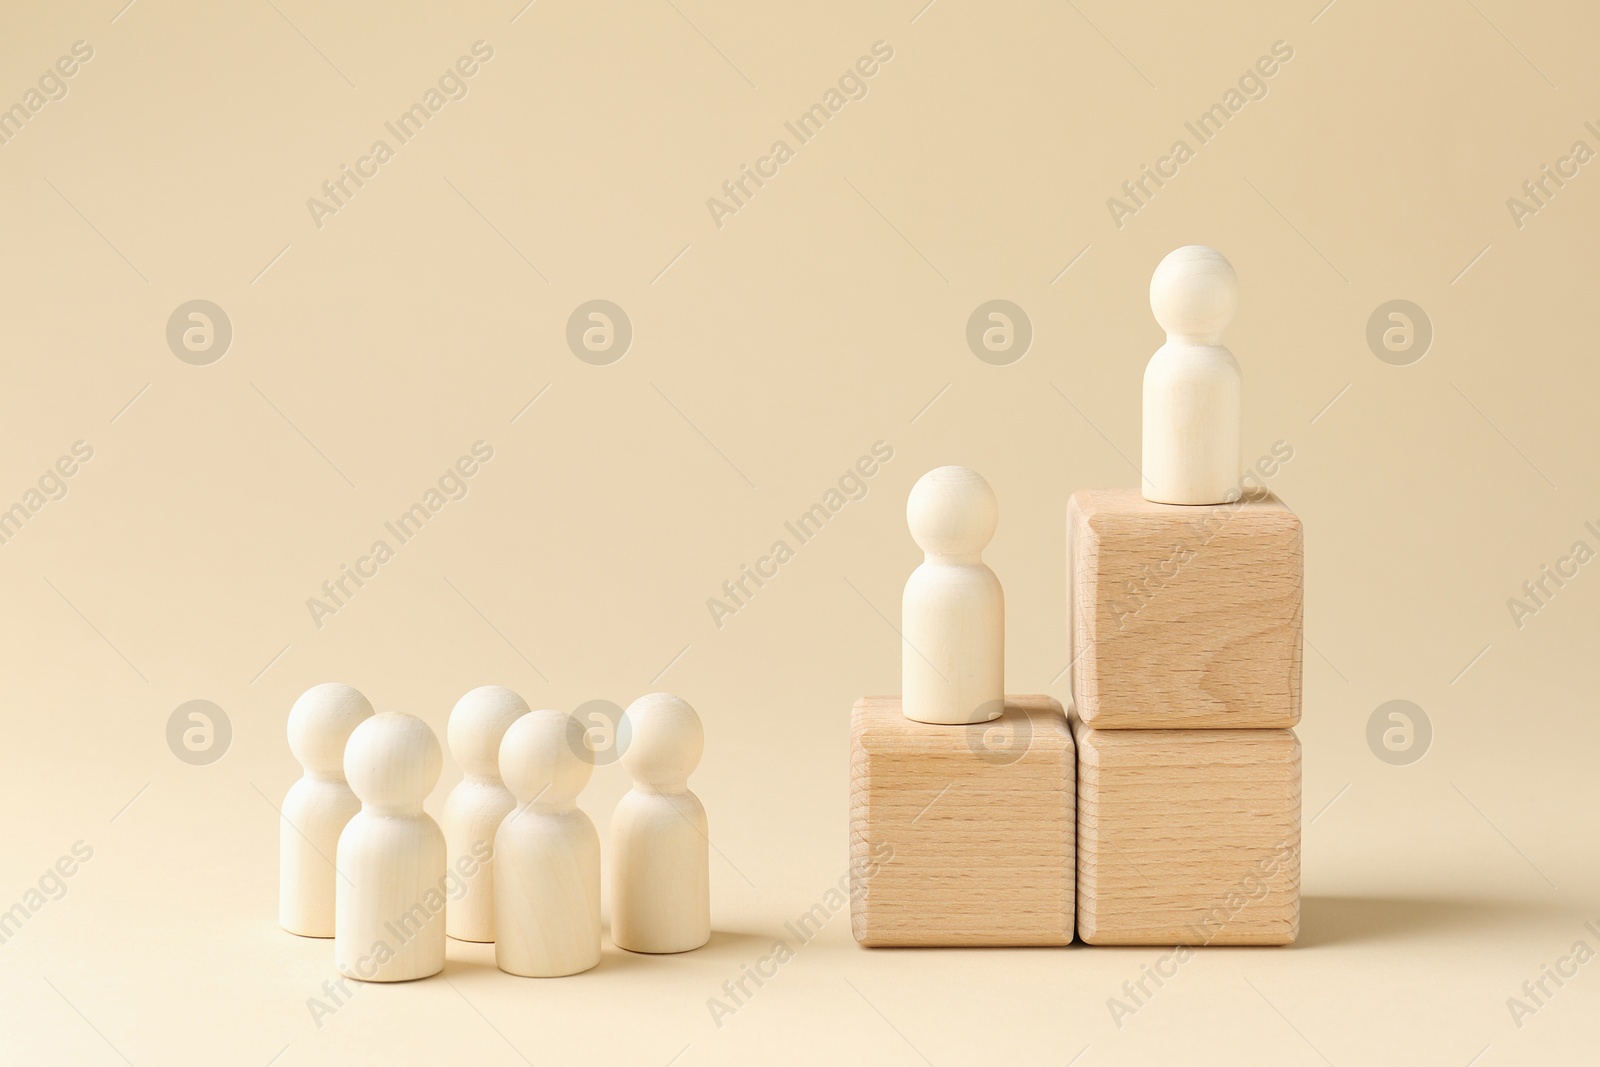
661,863
952,658
1192,385
477,805
389,921
546,855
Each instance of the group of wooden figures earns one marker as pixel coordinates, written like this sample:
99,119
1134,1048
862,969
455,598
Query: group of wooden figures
1164,808
516,863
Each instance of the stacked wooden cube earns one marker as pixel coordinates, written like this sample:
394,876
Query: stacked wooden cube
962,835
1186,644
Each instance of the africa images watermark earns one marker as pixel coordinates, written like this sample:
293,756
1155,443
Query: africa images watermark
52,485
852,85
1139,190
337,592
1538,992
51,885
852,486
50,88
199,732
1538,191
738,992
338,191
1207,524
1253,887
403,928
1399,732
1537,592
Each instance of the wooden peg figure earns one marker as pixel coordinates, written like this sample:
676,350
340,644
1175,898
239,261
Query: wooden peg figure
389,922
547,854
317,806
952,655
1192,385
477,806
660,851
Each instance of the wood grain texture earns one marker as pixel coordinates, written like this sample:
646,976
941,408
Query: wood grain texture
962,835
1188,837
1184,617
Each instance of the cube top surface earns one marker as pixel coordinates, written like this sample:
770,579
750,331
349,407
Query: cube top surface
879,726
1109,505
962,835
1185,617
1230,751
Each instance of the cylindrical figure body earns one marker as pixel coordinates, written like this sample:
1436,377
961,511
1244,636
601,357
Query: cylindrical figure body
547,893
1191,425
472,815
315,812
952,656
390,925
660,872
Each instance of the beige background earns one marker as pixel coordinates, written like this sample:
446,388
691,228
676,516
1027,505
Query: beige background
769,354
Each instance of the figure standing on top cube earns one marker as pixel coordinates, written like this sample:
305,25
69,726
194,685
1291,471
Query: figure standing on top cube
1192,384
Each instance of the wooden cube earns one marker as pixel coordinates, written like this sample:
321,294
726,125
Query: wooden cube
962,835
1184,617
1188,837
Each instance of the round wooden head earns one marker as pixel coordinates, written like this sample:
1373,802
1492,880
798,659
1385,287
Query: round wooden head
477,725
320,723
393,762
1194,293
952,511
664,741
539,763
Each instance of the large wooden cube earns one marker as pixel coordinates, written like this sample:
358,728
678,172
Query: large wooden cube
1184,617
1188,837
962,835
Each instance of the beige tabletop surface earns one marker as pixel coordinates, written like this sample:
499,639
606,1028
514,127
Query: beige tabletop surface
272,267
